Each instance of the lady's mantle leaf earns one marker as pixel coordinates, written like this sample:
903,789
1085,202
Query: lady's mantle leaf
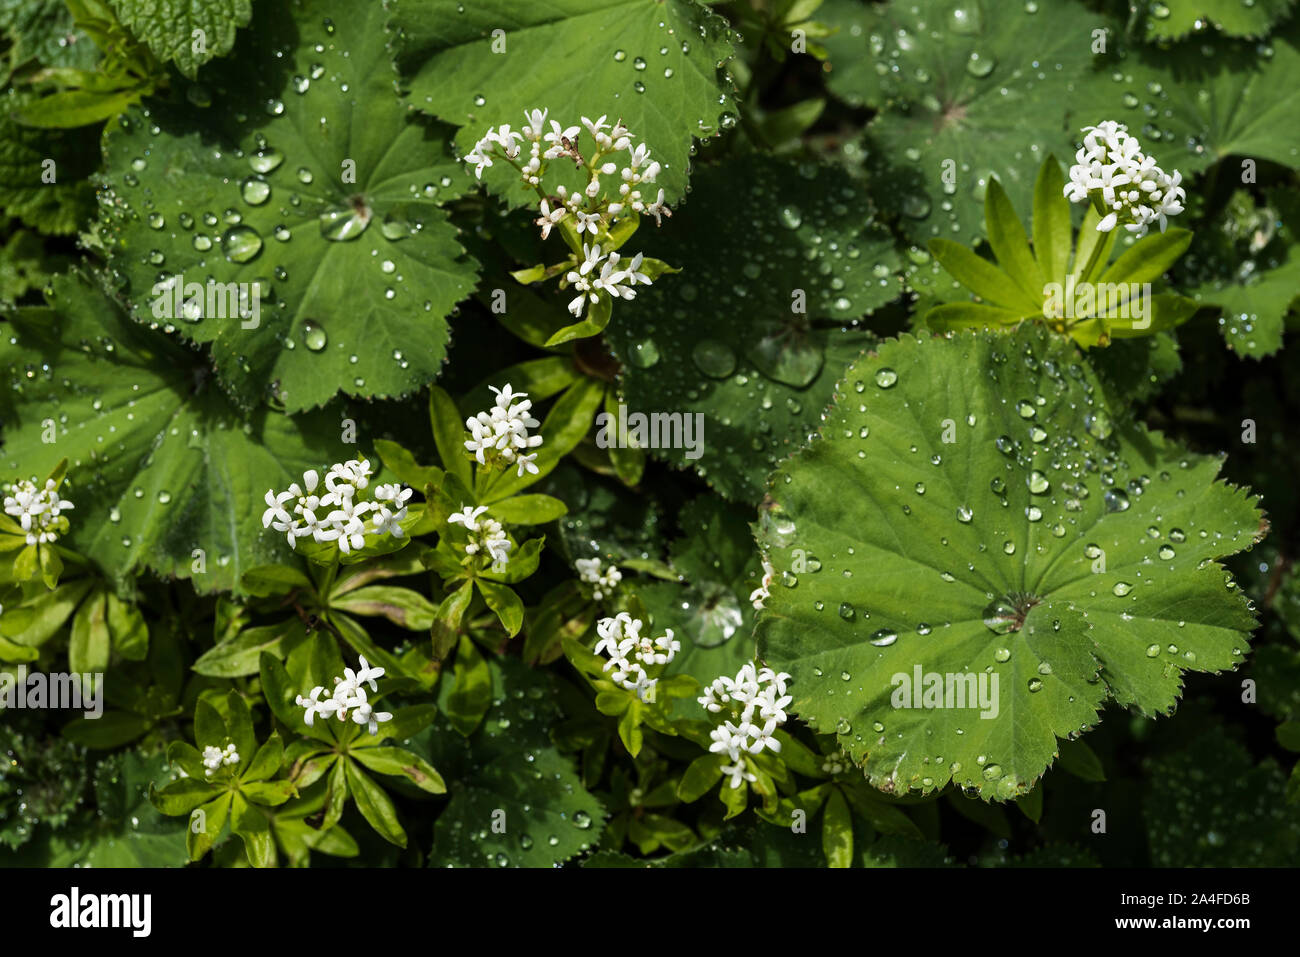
983,88
1211,805
307,177
1258,277
160,462
972,510
780,258
1177,19
653,63
1197,103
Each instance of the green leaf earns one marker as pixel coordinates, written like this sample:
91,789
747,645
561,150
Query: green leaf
37,620
127,627
206,824
201,471
1095,580
110,730
982,277
449,435
708,607
503,600
88,647
335,222
1031,805
510,765
274,580
254,830
700,777
399,762
1211,805
404,467
43,32
241,655
956,316
1081,761
837,830
759,372
69,109
1148,258
57,207
523,562
458,71
168,27
1234,103
281,692
266,762
446,625
1255,296
472,693
375,806
1052,240
1010,244
598,316
971,92
401,606
529,510
128,831
1178,19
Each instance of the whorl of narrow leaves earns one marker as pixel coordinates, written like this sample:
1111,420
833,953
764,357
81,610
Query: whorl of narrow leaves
974,508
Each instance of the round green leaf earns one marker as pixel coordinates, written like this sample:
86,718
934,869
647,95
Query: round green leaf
780,258
294,171
971,511
653,63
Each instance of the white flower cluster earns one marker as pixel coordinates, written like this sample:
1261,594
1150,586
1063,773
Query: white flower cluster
630,653
757,701
1127,186
349,695
605,580
337,515
490,536
38,510
214,758
590,283
834,764
503,431
595,209
761,593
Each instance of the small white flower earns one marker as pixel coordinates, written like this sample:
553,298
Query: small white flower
550,217
38,510
738,773
468,516
761,594
755,701
604,581
363,713
527,463
386,522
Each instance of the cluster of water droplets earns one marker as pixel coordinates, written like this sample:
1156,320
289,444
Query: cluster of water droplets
756,368
251,204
